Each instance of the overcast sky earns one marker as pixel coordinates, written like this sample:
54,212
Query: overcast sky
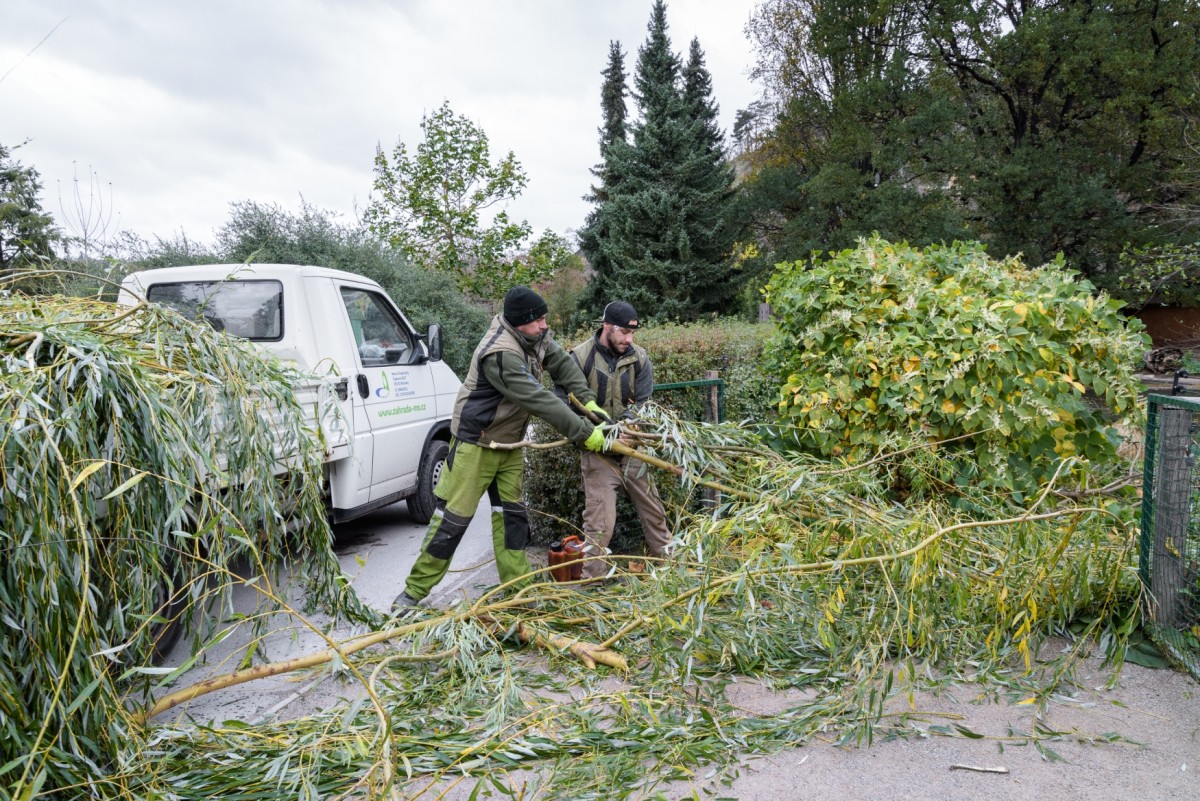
183,107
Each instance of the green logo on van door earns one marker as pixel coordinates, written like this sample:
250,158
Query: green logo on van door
384,390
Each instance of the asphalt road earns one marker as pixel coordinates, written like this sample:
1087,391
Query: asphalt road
376,551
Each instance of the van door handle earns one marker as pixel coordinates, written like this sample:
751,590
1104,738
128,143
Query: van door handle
363,389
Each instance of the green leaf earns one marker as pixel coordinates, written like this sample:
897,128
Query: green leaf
129,483
965,732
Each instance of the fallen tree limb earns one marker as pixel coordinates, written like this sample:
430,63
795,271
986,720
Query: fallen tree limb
1129,480
842,564
588,653
622,449
207,686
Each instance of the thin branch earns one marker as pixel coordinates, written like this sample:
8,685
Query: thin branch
840,564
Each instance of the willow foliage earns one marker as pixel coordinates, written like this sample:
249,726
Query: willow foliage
805,578
140,459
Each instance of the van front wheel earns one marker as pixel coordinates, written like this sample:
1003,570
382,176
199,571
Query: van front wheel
170,608
422,502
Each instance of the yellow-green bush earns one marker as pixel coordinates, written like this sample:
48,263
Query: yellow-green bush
887,344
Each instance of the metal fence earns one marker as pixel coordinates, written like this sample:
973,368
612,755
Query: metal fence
1170,543
707,404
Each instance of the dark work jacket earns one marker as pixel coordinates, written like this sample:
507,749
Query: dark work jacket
504,387
620,382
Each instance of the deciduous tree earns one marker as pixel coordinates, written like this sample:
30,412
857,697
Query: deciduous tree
267,233
432,205
1073,113
852,98
1037,127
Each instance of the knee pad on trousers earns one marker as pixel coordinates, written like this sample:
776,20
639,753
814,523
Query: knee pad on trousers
516,525
450,530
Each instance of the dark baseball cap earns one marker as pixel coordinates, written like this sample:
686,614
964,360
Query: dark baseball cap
621,313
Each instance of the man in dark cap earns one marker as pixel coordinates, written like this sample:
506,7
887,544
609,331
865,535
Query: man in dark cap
502,389
618,372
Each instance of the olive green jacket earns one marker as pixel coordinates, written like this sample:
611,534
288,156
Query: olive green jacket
504,387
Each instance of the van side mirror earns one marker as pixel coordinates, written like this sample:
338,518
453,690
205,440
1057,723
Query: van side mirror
433,339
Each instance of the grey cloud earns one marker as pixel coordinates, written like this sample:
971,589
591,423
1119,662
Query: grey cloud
188,106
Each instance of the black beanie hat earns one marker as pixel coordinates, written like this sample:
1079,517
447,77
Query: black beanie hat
523,305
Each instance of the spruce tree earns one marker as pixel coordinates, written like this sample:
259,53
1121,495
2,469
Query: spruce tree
615,114
698,94
708,181
593,237
655,237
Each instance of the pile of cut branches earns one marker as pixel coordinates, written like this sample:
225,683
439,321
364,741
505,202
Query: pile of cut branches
804,577
137,464
124,429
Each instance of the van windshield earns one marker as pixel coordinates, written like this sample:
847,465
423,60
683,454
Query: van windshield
248,309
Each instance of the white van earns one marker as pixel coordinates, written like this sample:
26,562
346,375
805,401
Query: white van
388,436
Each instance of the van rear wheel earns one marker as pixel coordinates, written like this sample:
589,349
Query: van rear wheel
422,502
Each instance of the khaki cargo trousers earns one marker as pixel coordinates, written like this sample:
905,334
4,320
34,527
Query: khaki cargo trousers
603,477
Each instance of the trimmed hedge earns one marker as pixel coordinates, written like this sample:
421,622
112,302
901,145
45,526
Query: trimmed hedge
679,353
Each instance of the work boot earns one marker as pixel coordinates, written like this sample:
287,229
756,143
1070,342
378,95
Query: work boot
404,604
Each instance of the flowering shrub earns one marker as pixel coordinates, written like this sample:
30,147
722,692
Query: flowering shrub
885,343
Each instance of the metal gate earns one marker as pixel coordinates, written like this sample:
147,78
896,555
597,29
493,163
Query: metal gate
1170,543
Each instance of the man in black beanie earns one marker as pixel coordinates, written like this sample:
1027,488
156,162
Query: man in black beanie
522,305
502,389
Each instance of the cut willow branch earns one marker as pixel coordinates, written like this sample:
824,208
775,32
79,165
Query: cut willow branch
841,564
31,351
528,443
621,448
588,653
342,650
1129,480
624,450
883,457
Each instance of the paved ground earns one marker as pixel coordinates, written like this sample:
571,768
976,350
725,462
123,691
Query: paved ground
377,551
1158,709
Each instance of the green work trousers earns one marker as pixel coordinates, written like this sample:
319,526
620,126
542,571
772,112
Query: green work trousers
470,471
